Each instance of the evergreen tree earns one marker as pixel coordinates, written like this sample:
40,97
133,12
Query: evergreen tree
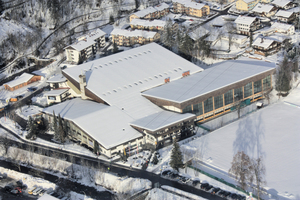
111,19
61,131
155,159
96,147
283,76
55,127
1,7
176,156
115,48
31,128
251,38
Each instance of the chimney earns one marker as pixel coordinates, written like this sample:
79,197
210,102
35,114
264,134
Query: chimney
82,82
262,40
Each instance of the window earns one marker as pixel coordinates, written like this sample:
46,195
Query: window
218,101
238,94
78,134
51,97
197,109
187,109
267,82
208,105
248,90
257,86
228,97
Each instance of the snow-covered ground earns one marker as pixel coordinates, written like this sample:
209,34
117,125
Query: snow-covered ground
26,111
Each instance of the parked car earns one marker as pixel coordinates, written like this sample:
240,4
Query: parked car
31,190
215,190
220,192
31,89
42,192
8,188
195,182
208,188
233,196
204,185
64,67
37,191
164,173
226,194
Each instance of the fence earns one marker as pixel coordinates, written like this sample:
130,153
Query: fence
220,180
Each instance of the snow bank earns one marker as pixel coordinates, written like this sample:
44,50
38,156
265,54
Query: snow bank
180,192
122,185
157,193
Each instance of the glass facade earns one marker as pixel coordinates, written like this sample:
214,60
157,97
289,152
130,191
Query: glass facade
257,86
248,90
218,101
187,109
197,109
238,94
208,105
228,97
267,83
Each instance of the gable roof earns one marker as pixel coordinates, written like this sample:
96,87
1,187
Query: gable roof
281,3
144,12
59,78
248,1
190,4
162,6
262,8
281,26
21,79
263,42
142,22
211,79
244,20
284,13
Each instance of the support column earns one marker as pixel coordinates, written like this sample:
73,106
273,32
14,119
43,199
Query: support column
213,100
223,102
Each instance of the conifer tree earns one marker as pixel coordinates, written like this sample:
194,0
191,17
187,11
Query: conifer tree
55,127
31,128
155,159
96,147
176,156
61,132
1,7
283,76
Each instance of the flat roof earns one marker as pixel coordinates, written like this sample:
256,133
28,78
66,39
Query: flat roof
214,78
21,79
106,124
160,120
56,92
134,33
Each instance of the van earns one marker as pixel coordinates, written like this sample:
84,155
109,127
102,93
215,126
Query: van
37,191
31,190
42,192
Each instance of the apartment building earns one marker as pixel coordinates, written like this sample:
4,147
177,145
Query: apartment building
85,46
155,12
285,16
245,24
152,25
245,5
264,10
190,8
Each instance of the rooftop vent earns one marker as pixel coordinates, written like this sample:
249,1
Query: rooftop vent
116,61
145,52
135,83
115,90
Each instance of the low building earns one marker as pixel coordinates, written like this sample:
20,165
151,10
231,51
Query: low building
266,46
190,8
245,24
155,12
264,10
216,90
283,4
285,16
57,96
123,37
287,29
23,80
152,25
245,5
57,82
85,46
238,39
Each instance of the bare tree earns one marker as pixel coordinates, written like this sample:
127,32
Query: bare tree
5,143
241,168
14,153
258,173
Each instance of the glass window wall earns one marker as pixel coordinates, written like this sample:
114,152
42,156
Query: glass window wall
248,90
228,97
267,82
208,105
238,94
187,109
257,86
197,109
218,101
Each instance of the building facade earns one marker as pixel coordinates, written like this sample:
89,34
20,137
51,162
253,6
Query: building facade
245,5
151,25
190,8
24,80
155,12
285,16
266,46
245,25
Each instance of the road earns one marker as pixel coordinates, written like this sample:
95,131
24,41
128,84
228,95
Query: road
114,167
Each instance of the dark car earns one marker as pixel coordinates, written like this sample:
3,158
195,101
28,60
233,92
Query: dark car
204,185
64,67
195,182
215,190
220,192
241,197
164,173
226,194
19,97
208,188
233,196
8,188
31,89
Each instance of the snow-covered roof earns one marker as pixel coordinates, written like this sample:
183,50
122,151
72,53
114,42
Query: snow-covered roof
144,12
244,20
263,42
106,124
283,13
281,3
281,26
198,33
59,78
21,79
120,78
56,92
190,4
134,33
295,9
47,197
262,8
212,79
161,7
147,23
248,1
87,40
160,120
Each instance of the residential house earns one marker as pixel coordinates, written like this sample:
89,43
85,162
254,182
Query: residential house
191,8
245,5
285,16
283,4
21,81
155,12
245,24
123,37
85,46
287,29
265,46
57,96
152,25
264,10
